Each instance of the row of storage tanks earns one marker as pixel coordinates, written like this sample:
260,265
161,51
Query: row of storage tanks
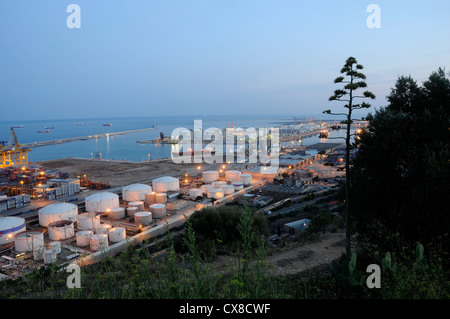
215,188
60,218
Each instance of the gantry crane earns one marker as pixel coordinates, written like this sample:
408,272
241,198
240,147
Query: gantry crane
15,154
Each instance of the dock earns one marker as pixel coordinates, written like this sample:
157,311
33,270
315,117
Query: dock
82,138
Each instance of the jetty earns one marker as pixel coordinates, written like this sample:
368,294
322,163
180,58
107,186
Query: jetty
83,138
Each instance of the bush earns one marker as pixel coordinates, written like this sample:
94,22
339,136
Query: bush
217,228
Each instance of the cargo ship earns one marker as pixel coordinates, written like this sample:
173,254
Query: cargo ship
107,124
45,131
79,124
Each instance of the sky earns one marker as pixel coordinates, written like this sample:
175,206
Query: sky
207,57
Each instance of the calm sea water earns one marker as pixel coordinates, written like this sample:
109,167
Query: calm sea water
124,147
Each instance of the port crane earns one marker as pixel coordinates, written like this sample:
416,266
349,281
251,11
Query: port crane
14,154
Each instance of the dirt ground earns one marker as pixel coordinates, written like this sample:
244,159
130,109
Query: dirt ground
297,257
118,173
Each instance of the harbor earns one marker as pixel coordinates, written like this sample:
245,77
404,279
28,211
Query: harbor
83,138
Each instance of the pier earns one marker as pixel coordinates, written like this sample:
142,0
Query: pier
82,138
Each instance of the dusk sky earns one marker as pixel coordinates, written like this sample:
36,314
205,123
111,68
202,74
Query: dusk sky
208,57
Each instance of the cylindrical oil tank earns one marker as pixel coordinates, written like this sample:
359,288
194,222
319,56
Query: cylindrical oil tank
144,218
117,234
246,179
102,229
216,193
135,192
150,198
88,221
61,230
55,246
117,213
210,176
56,212
238,186
218,184
165,184
84,237
9,227
228,189
195,192
161,198
232,175
49,256
131,210
139,204
158,210
99,242
101,202
38,253
28,240
206,188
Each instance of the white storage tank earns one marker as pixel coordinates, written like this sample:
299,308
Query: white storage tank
150,198
228,189
232,175
28,240
135,192
117,234
158,210
166,184
49,256
55,246
161,198
56,212
246,179
84,237
101,202
87,221
61,230
144,218
102,229
138,204
195,192
218,184
117,213
131,210
216,193
99,242
206,188
238,186
210,176
9,227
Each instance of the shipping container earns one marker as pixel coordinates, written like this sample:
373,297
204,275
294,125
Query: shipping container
11,203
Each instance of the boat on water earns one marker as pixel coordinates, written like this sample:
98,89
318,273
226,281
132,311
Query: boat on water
79,124
17,126
44,131
49,127
323,134
107,124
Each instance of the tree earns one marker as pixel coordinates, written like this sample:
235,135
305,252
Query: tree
400,174
353,80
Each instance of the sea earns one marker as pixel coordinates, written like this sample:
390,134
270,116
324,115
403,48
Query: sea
126,147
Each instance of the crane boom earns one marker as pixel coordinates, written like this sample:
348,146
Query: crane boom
16,143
